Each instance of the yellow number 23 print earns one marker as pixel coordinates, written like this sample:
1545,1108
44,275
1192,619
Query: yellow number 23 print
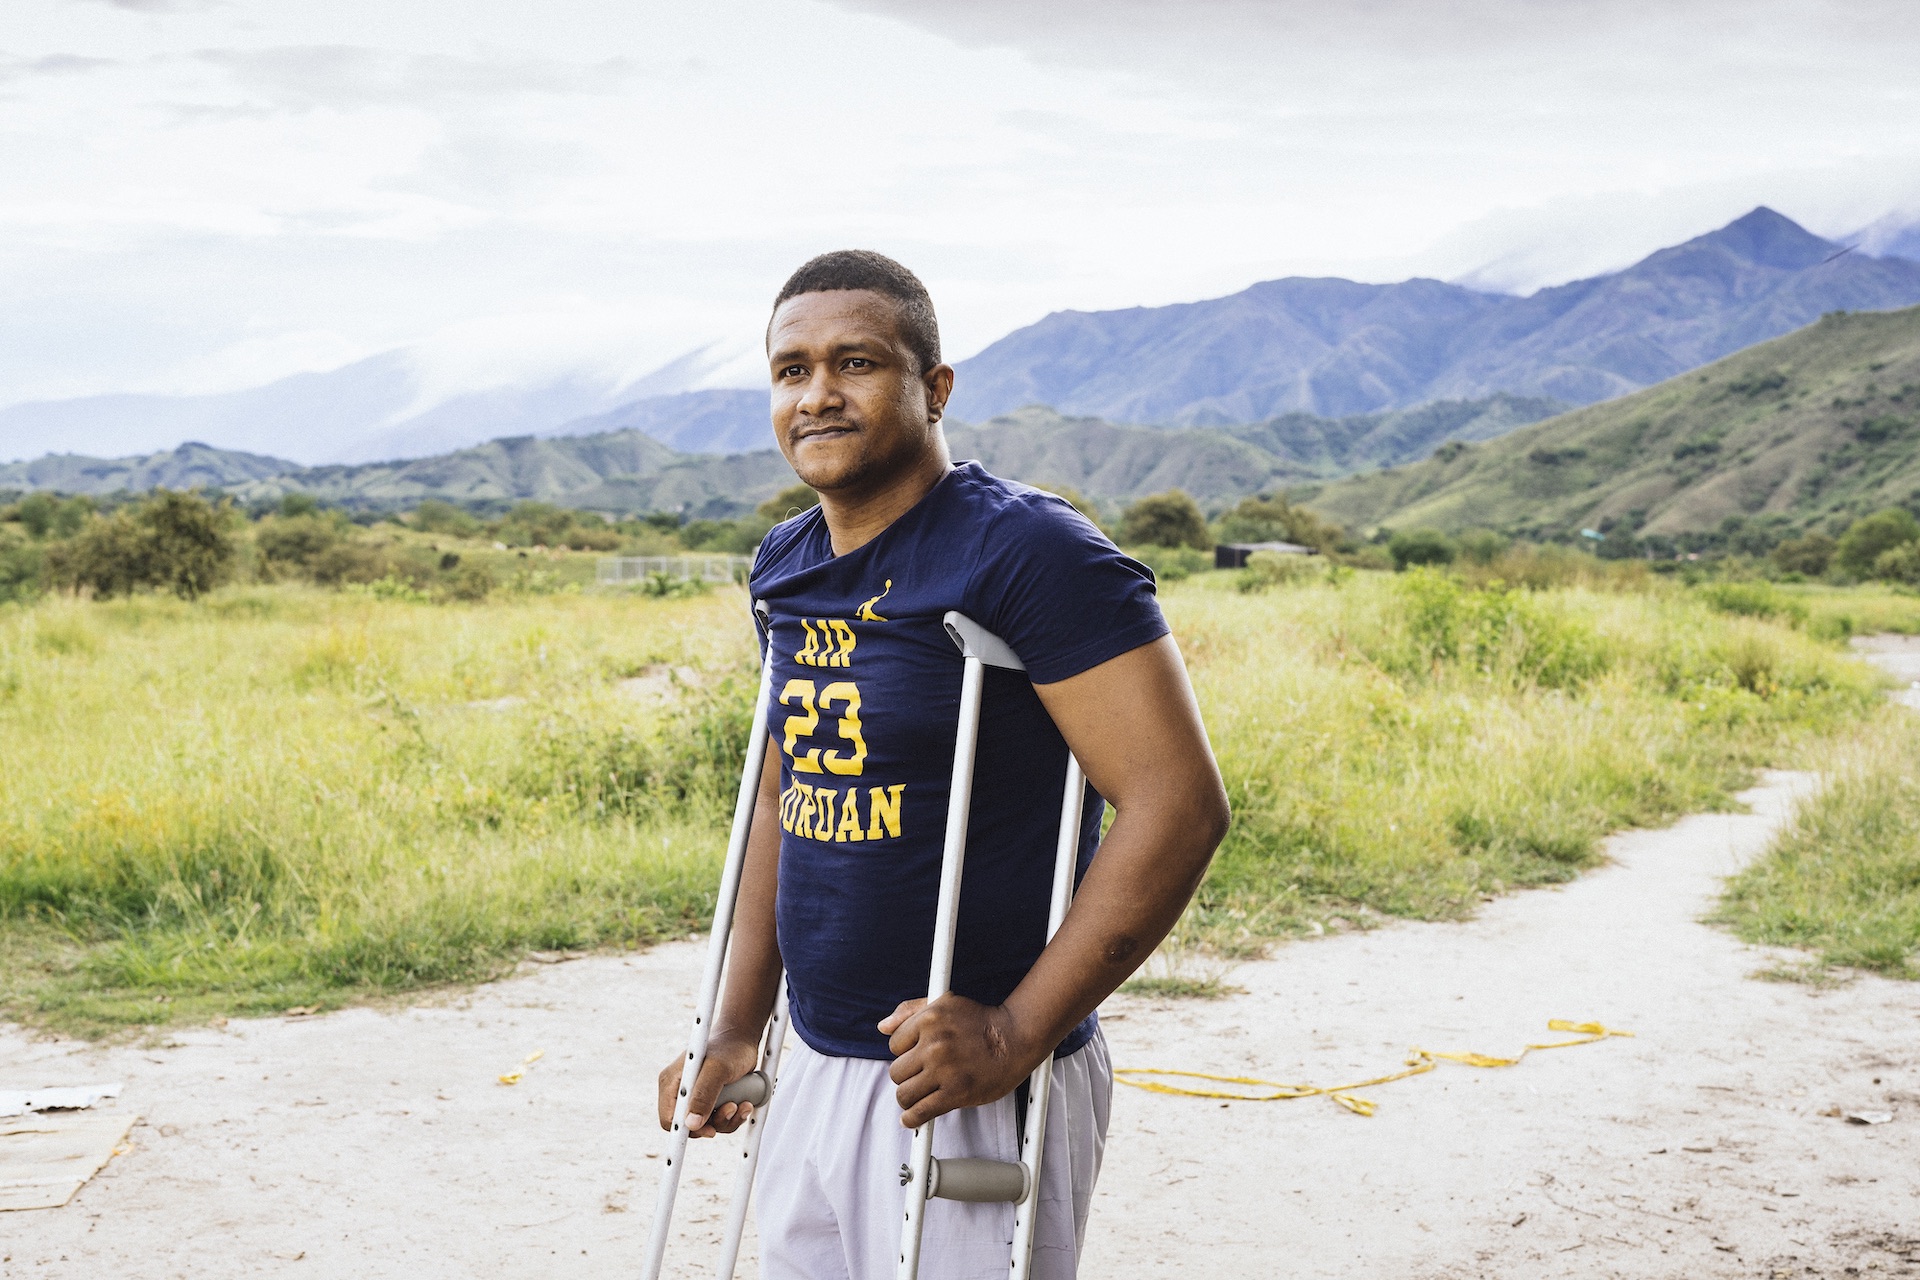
800,693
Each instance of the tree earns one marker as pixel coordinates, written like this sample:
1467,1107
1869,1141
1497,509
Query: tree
1809,555
42,514
1264,518
1421,546
1481,546
1170,519
789,502
1871,536
435,516
175,541
295,540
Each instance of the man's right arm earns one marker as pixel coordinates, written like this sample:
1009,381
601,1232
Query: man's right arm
753,976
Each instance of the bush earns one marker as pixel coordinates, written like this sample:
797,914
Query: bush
1274,519
43,515
1170,519
350,562
1499,633
471,581
1809,555
22,572
1267,569
1481,546
1754,600
787,503
1902,564
173,541
733,537
1872,536
297,540
1171,564
434,516
1421,547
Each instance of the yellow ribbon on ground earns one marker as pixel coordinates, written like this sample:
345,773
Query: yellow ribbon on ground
1419,1062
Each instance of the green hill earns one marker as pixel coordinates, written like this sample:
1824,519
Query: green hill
1823,423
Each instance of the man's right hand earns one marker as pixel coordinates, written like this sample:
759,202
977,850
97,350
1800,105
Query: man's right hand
728,1058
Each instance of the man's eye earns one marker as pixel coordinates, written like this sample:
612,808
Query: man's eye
859,362
793,371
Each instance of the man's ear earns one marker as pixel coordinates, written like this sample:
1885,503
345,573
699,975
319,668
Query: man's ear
939,383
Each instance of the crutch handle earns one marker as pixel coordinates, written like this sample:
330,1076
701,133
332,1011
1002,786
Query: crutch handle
753,1087
976,1181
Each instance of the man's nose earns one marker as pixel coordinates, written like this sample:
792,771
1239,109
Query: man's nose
822,395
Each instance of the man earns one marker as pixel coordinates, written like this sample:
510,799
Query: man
843,859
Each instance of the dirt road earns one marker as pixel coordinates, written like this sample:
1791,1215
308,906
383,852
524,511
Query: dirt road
377,1144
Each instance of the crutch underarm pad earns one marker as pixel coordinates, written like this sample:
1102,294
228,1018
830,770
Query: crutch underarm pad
975,641
980,1181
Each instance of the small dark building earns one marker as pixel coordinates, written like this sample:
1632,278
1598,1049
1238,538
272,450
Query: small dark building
1233,555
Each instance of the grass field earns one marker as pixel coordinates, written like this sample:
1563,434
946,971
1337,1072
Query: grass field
1844,879
285,796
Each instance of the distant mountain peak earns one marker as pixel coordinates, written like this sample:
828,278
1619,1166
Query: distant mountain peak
1767,238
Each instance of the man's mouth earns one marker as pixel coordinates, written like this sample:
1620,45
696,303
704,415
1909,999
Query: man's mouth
823,431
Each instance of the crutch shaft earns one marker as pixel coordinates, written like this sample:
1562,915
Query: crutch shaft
756,1129
946,914
1033,1144
696,1055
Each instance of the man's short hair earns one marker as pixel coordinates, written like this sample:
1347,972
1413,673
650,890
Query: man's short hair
864,269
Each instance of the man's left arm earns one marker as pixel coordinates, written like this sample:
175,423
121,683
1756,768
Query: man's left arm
1134,726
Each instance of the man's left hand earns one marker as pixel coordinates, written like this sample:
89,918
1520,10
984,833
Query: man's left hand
953,1053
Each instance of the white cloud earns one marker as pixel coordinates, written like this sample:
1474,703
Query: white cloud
213,194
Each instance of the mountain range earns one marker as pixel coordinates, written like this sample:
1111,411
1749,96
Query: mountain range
1331,348
628,471
1335,347
1815,428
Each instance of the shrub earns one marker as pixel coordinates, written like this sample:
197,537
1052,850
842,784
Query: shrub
1481,546
1274,519
296,540
1171,564
42,515
350,562
789,502
1498,632
1266,569
471,581
173,541
435,516
1873,535
733,537
1809,555
1901,564
22,572
1753,600
1421,547
1170,519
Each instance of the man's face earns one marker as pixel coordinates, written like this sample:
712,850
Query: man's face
851,410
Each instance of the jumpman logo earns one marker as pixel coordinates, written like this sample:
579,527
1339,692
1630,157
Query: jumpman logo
865,612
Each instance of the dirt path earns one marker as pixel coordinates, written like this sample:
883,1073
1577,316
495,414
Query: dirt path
377,1143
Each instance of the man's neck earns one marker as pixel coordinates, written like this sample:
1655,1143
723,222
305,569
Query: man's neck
854,520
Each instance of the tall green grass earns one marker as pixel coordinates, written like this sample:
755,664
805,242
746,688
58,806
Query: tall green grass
1843,881
281,796
1408,746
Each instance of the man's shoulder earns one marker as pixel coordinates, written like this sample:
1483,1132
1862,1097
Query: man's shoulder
1015,514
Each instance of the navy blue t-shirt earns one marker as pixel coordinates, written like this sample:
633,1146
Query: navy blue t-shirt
866,688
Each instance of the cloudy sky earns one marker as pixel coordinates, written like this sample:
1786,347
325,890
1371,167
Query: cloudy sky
200,195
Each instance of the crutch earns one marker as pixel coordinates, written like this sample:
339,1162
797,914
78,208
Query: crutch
755,1087
976,1180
